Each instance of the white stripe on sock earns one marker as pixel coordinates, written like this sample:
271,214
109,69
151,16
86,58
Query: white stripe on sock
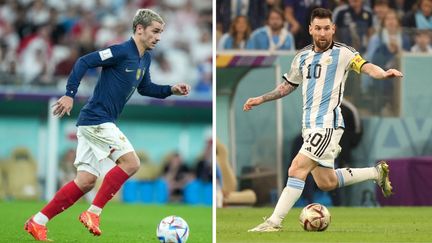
95,209
40,218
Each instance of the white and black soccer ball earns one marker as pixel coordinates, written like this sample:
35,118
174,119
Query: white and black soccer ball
315,217
172,229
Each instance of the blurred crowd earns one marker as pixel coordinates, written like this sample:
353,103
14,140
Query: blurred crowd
386,27
41,39
381,30
173,179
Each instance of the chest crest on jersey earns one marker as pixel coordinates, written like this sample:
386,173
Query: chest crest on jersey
328,61
140,73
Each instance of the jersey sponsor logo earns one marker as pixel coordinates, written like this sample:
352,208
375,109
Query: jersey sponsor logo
129,70
105,54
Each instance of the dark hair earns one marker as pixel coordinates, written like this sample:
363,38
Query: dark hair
321,13
278,11
233,31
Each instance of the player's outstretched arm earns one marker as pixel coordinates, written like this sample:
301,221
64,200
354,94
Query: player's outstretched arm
378,73
180,89
63,106
282,90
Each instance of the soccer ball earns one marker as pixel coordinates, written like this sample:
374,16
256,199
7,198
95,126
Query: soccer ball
172,229
315,217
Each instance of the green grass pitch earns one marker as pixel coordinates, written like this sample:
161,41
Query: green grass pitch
386,224
119,222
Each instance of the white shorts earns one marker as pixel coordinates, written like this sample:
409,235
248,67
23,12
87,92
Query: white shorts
322,145
98,142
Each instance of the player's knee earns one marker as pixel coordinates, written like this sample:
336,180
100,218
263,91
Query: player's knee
327,185
295,170
85,183
134,166
131,166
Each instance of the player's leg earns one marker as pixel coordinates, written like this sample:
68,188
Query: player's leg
63,199
299,169
127,165
120,151
325,178
328,179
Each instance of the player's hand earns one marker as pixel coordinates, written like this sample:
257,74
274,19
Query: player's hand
251,102
181,89
391,73
63,106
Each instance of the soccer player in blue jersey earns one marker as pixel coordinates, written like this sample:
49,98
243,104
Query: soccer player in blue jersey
322,68
125,67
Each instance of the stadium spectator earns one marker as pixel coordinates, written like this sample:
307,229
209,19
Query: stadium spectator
84,31
9,41
89,26
204,85
420,17
384,49
203,170
273,36
354,24
125,68
38,13
422,42
402,6
202,50
177,174
237,36
380,9
297,14
255,11
64,67
385,46
34,55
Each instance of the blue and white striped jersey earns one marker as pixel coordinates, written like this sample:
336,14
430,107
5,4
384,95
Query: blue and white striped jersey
323,75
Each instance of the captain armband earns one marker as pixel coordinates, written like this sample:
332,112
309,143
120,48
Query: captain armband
357,63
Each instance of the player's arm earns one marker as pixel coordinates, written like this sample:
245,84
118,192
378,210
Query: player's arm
281,90
359,65
377,72
148,88
101,58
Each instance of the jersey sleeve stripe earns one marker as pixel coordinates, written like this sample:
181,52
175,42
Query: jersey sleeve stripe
339,44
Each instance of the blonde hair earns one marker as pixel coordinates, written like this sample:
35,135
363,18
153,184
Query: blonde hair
145,17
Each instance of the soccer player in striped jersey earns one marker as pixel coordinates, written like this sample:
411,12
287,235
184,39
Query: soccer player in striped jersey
125,67
322,68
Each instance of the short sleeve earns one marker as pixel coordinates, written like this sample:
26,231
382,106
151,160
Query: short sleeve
294,76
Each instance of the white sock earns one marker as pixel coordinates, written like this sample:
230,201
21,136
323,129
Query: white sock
40,218
348,176
95,209
290,194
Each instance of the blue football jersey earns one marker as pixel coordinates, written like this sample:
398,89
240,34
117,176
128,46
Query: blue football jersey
123,71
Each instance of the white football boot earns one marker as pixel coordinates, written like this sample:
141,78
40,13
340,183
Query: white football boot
267,226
